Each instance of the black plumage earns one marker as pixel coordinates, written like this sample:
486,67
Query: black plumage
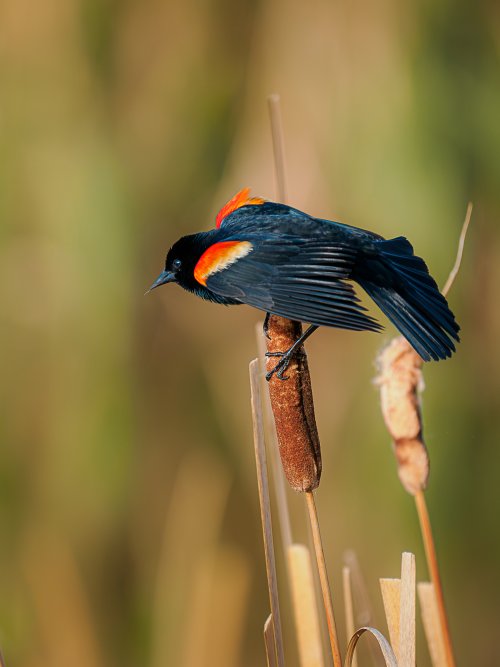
283,261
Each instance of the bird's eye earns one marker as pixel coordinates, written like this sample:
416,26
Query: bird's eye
177,264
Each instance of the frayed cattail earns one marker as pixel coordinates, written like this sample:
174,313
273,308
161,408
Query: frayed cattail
293,409
400,380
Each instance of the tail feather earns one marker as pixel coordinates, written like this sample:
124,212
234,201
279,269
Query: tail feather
400,284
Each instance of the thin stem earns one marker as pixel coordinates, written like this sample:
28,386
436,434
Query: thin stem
432,564
460,250
323,578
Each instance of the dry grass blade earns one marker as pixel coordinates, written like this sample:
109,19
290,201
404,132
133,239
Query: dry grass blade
407,612
304,606
348,608
391,596
270,642
430,620
323,579
385,647
265,508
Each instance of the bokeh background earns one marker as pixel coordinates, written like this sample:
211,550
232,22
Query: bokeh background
129,524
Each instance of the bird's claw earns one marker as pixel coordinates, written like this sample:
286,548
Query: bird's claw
286,357
280,367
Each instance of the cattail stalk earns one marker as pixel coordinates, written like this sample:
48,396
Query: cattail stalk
433,567
323,579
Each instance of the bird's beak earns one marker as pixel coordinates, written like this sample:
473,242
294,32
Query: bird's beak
164,277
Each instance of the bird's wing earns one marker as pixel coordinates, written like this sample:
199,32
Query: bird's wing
293,277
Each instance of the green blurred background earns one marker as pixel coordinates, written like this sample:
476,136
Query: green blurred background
129,524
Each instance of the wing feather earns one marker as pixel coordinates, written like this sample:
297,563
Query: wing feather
298,279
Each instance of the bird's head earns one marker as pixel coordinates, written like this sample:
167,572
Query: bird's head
180,262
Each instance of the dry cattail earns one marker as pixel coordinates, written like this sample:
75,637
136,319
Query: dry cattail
400,380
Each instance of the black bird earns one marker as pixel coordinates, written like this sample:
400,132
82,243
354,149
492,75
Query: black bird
285,262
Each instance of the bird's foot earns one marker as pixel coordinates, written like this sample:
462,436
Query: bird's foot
286,357
281,366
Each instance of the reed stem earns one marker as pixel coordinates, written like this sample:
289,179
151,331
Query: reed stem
323,578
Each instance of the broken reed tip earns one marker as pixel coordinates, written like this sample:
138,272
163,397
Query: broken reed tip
400,381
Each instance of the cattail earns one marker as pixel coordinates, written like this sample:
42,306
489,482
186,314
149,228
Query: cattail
400,380
293,409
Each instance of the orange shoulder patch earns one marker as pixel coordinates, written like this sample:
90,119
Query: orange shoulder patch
218,257
240,199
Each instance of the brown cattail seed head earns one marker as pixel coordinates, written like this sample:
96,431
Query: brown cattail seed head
400,380
293,409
